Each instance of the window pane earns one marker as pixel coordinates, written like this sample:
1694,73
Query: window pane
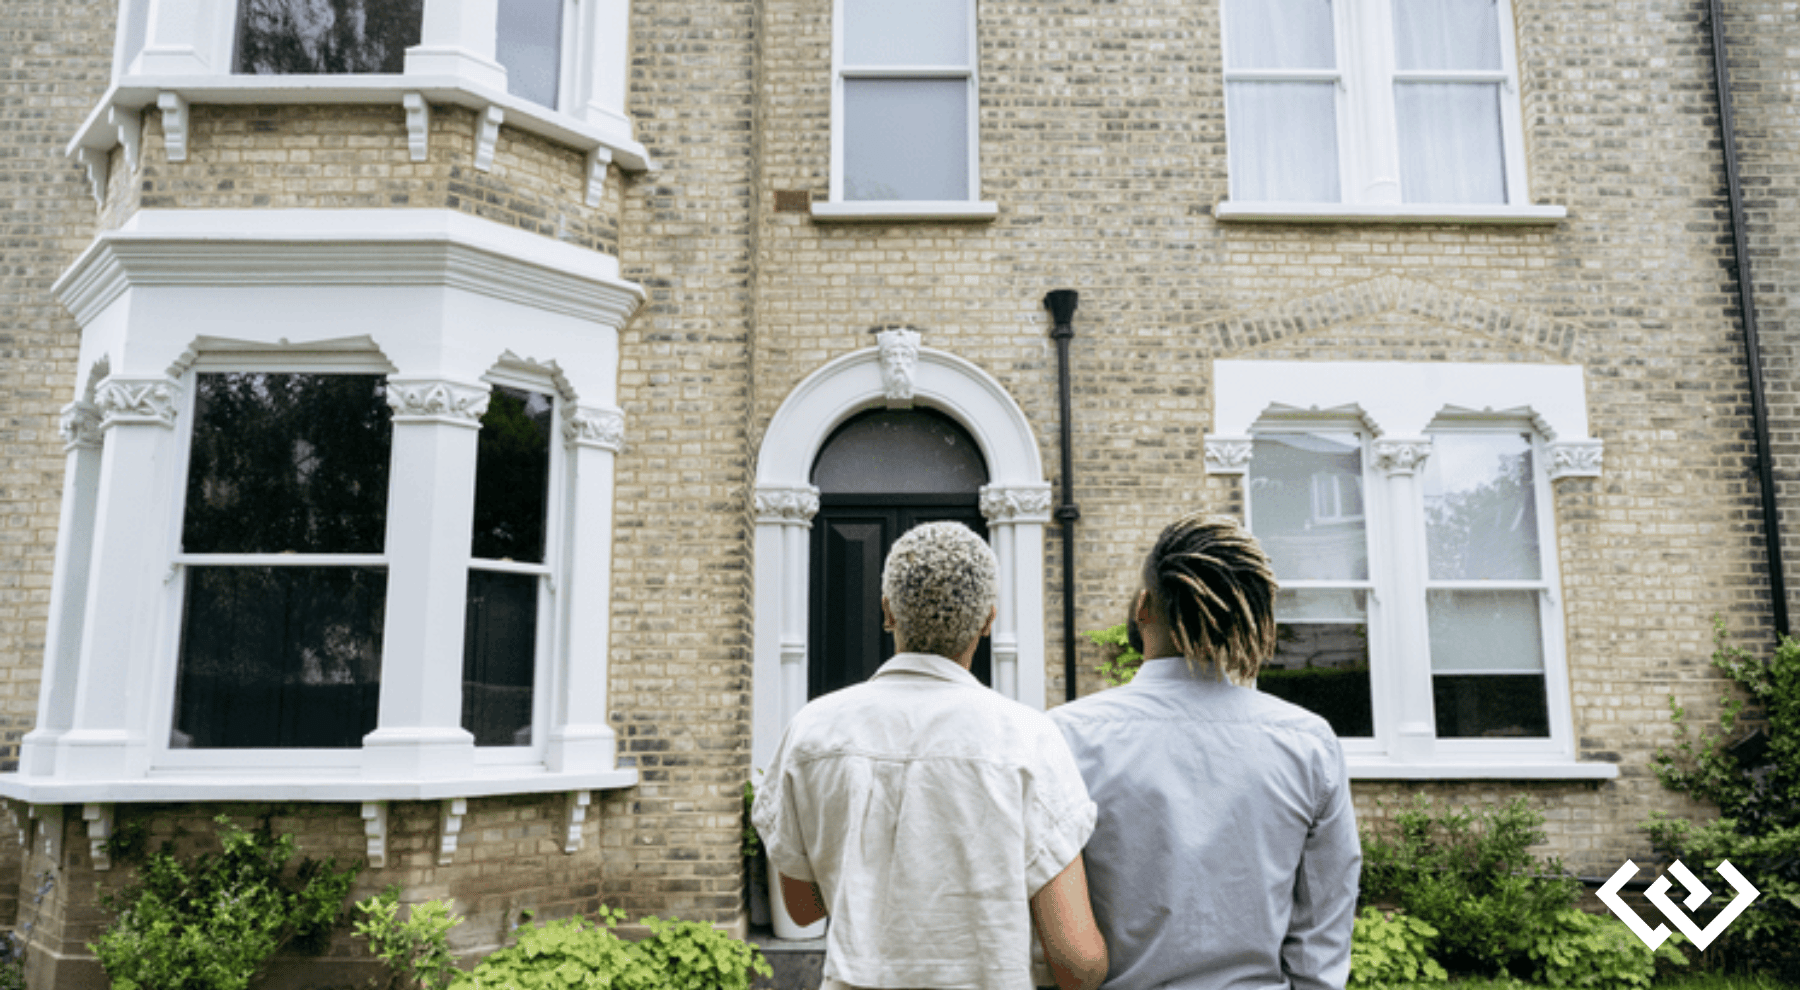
288,463
528,41
1322,663
499,657
892,451
1286,470
1481,508
906,139
1450,144
1484,631
1472,706
1446,34
280,37
906,32
279,657
1279,34
1283,141
512,477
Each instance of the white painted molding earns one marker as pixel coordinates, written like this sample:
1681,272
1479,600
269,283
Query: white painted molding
99,818
1228,454
95,161
598,160
1001,505
436,400
487,137
128,126
594,426
1397,456
175,125
1576,458
375,832
147,400
873,211
79,425
789,505
450,824
418,125
574,814
899,351
1387,213
340,786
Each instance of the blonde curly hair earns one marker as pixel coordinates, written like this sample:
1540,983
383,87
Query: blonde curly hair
940,582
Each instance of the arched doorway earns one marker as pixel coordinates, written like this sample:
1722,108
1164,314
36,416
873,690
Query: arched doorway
879,474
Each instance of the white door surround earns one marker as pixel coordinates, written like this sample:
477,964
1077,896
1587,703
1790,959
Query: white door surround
1016,501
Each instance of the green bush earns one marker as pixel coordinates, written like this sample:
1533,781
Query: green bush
1754,778
1123,665
1579,949
576,954
212,923
1390,947
416,949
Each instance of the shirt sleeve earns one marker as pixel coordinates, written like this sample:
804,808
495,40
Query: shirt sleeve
775,820
1059,816
1315,954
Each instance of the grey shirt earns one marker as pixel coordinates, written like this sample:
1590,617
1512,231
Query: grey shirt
1225,854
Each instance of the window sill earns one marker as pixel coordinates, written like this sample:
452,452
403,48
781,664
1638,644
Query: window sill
292,785
872,211
1380,769
1386,213
133,93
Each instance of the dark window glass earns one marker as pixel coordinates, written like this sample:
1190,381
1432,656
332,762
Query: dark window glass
512,477
279,657
334,37
897,452
1486,706
528,41
1324,668
288,463
499,657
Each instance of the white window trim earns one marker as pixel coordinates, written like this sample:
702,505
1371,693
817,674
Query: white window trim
840,209
1405,403
1368,135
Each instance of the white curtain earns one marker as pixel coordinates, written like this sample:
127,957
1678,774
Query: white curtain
1284,145
1446,34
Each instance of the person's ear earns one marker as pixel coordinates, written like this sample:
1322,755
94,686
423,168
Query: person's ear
1141,609
988,626
887,616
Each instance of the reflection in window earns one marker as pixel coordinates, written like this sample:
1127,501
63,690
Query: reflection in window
334,37
528,42
1321,660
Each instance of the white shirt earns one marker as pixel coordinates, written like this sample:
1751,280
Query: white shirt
929,810
1226,855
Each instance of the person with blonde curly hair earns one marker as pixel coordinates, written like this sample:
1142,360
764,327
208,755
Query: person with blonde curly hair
938,824
1225,854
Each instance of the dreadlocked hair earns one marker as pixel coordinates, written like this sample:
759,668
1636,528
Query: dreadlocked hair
1211,582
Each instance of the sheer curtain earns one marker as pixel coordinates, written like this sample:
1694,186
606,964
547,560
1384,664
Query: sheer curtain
1284,140
1450,142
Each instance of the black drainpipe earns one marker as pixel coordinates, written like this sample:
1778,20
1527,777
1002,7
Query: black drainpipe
1759,412
1062,315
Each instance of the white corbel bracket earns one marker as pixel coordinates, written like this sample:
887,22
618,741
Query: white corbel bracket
99,818
418,124
50,821
19,823
375,832
95,161
450,828
1576,458
129,126
487,135
598,160
175,125
574,814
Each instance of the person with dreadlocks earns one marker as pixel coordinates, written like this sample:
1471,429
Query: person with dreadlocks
1225,854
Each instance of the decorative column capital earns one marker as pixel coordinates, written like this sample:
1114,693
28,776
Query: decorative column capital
437,400
899,353
1576,458
148,400
1402,456
602,427
1228,454
1003,505
792,506
79,425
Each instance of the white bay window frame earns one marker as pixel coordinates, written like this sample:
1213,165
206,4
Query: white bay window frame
1364,80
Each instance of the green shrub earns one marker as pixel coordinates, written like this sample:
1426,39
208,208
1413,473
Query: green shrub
576,954
1390,947
212,923
1587,950
1123,665
416,949
1468,874
1754,779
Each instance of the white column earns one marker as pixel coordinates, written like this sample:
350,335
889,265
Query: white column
1016,515
783,518
178,39
607,60
431,513
1400,459
68,588
581,737
456,38
1373,165
128,568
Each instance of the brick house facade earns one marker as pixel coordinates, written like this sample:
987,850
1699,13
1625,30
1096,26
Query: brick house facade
683,261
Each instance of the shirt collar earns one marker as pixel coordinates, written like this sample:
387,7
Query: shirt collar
930,665
1174,669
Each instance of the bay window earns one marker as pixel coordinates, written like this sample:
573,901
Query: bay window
280,37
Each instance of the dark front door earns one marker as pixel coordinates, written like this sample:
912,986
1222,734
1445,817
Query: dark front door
850,540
